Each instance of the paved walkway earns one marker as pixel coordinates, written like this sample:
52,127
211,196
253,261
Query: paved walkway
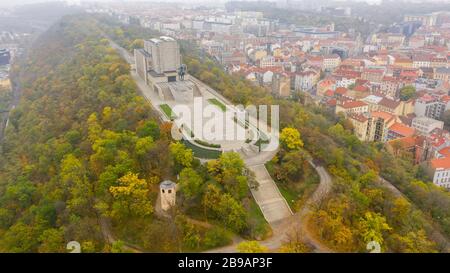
267,195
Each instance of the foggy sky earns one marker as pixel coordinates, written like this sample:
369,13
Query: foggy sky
10,3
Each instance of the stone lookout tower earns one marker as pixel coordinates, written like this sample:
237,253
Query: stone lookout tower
168,191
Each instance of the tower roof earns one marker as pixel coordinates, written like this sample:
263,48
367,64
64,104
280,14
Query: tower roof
167,184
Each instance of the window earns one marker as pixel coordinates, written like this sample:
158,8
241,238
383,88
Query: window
170,191
163,191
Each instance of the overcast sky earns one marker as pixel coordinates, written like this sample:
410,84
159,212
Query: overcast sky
20,2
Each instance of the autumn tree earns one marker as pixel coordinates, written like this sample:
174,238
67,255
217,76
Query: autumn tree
52,240
190,182
131,197
182,155
228,170
372,226
290,138
251,247
225,208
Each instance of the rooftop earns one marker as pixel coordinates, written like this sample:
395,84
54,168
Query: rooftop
167,184
353,104
392,104
402,129
382,115
441,163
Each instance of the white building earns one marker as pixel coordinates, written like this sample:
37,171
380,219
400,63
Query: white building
306,80
267,61
429,106
165,54
332,61
425,125
440,172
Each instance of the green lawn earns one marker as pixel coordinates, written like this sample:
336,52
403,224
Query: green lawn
290,195
258,227
296,193
218,104
207,144
167,111
201,152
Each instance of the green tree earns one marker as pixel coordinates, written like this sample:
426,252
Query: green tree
228,170
149,128
118,247
144,145
181,154
407,92
232,213
52,240
190,182
372,226
216,237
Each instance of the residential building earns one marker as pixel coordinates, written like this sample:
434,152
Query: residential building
360,125
442,73
379,122
429,106
306,80
425,125
399,130
352,107
330,62
373,75
281,85
440,171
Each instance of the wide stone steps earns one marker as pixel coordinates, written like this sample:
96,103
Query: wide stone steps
273,205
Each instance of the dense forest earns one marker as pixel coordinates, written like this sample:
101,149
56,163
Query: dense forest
84,155
5,98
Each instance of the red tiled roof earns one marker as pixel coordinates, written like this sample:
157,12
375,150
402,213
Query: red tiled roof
332,102
441,163
402,129
353,104
445,98
341,90
427,98
329,93
361,88
358,117
383,115
445,151
392,104
405,142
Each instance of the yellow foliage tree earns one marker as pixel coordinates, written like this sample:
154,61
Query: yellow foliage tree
131,197
290,137
182,155
251,247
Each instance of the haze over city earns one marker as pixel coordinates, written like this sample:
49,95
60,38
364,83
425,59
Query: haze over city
225,127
